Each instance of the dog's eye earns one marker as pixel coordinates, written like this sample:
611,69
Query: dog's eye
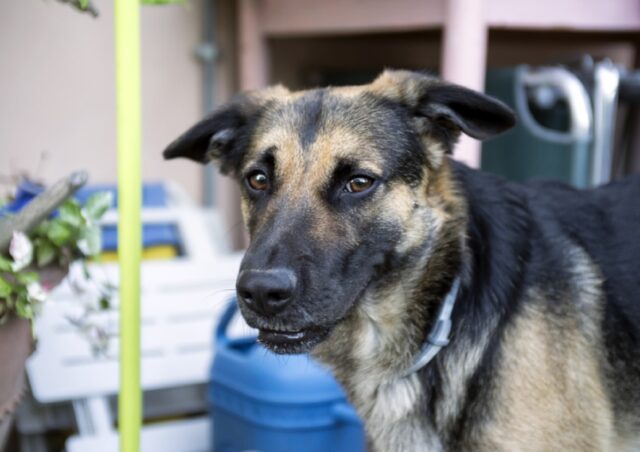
258,180
359,184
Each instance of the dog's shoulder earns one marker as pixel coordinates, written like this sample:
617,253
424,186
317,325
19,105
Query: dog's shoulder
563,266
605,222
584,241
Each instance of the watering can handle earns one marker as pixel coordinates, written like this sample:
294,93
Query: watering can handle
345,414
225,320
572,89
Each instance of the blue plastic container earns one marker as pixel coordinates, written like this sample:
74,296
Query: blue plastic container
152,235
270,403
153,195
25,192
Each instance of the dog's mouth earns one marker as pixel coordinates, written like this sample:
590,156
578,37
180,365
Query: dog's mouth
298,340
292,342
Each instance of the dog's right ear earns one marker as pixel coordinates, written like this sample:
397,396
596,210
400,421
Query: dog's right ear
218,137
224,135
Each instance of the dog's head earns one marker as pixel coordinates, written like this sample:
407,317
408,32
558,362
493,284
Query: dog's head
338,186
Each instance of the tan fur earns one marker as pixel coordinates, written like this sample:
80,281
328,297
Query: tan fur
544,391
336,143
300,176
387,403
456,371
399,85
550,376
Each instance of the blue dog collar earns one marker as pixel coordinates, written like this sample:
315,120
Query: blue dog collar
439,336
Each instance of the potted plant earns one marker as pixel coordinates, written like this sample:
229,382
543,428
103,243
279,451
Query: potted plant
36,249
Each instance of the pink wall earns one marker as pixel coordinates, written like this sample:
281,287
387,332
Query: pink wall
312,17
57,94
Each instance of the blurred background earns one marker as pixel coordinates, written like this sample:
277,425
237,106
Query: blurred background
57,108
568,68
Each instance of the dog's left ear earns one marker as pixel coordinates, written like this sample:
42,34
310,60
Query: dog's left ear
475,114
449,107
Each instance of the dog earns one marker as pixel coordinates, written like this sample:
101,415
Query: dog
372,249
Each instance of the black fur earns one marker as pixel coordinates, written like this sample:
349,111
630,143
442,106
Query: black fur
475,114
518,236
309,109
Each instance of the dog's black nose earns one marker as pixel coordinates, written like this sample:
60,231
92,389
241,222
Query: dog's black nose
267,292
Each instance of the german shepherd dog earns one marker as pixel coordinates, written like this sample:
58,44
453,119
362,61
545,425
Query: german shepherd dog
361,225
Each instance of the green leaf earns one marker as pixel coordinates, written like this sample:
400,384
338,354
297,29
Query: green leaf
26,278
104,303
41,229
85,270
5,264
71,214
24,308
4,311
58,232
45,253
90,240
5,288
98,204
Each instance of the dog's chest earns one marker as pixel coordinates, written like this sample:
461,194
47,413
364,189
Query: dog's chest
393,413
367,361
403,413
407,412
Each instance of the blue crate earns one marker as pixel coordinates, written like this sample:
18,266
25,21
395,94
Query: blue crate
153,195
152,235
25,192
262,401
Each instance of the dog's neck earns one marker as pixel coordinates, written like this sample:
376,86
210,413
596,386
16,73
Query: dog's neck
372,349
371,358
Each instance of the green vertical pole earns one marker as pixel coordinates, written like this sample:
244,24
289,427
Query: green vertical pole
127,33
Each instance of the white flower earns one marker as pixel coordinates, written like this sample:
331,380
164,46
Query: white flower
21,251
36,293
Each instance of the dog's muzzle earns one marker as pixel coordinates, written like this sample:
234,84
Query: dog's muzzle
267,293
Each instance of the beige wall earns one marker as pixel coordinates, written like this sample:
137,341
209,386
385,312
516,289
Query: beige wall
57,89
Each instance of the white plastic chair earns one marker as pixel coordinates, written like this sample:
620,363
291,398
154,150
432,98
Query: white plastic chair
183,435
181,301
